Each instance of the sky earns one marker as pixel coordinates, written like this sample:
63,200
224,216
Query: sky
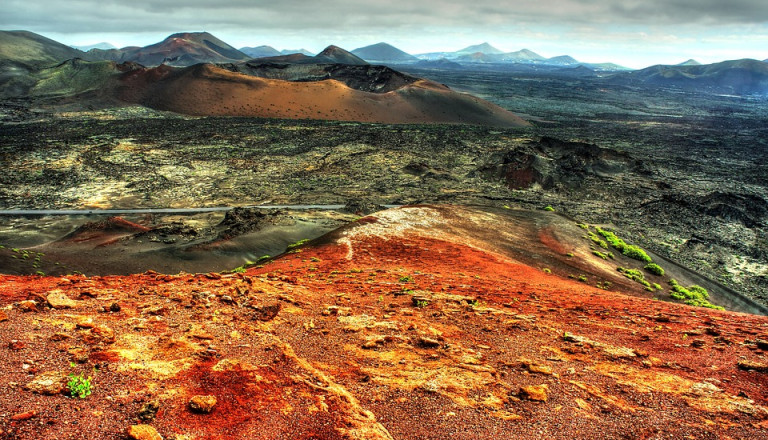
633,33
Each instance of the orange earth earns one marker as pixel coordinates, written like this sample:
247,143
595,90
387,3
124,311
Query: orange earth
402,325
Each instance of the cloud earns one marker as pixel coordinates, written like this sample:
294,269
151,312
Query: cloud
149,15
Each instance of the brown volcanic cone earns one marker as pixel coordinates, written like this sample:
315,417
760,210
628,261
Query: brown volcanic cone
211,90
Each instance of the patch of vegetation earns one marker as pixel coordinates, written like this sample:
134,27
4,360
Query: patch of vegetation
654,269
297,244
604,256
635,275
547,270
604,285
421,303
406,279
696,296
629,250
583,278
597,240
549,208
582,225
79,385
238,269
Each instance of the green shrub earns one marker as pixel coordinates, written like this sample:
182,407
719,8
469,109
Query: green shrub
654,269
549,208
629,250
79,385
547,270
696,296
634,275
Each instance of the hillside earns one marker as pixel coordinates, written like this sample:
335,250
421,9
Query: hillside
181,49
383,53
337,55
736,77
362,332
32,50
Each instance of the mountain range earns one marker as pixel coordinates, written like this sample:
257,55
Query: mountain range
22,53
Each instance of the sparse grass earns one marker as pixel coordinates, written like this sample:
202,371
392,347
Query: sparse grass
298,244
406,279
421,303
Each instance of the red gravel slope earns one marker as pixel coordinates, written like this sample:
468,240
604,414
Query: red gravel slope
414,323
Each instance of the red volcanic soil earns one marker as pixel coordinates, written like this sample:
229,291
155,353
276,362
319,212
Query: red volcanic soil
408,324
207,90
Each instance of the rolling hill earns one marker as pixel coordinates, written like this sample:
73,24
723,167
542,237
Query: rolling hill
737,77
24,48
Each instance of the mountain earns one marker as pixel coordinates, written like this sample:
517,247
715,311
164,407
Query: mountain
301,51
383,53
355,93
338,55
182,49
739,77
260,51
23,48
690,62
562,60
441,63
482,48
101,46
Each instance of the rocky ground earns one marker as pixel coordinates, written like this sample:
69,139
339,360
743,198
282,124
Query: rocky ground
684,202
372,332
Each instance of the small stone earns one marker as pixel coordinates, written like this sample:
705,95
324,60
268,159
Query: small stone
428,342
3,316
202,404
59,300
535,392
267,313
28,306
762,344
143,432
79,355
15,344
753,365
114,307
100,333
24,416
85,323
48,383
149,411
538,369
59,336
370,344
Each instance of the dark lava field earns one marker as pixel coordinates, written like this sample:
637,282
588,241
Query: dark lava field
682,174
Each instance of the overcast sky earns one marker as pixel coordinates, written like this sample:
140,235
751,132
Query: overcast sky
634,33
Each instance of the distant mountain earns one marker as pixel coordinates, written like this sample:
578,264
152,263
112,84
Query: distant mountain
384,53
690,62
260,51
562,60
32,50
739,77
101,46
523,55
182,49
482,48
335,54
301,51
